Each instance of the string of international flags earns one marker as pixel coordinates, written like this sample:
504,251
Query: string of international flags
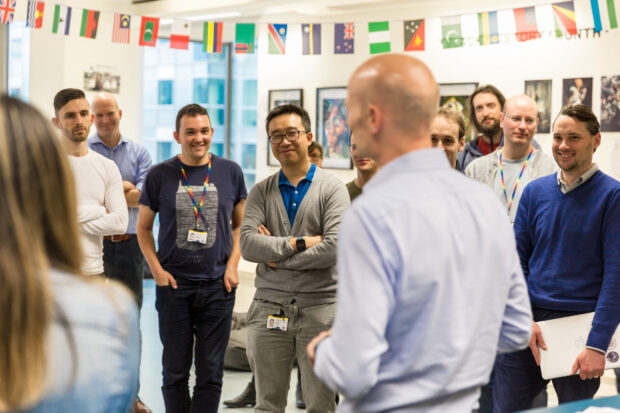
523,25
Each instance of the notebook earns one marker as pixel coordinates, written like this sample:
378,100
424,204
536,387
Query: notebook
565,338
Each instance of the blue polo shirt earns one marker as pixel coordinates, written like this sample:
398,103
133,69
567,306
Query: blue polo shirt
291,195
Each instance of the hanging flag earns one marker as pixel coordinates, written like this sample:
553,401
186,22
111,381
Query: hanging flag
179,34
7,11
604,11
344,38
149,28
310,39
62,19
488,32
122,28
212,37
379,37
277,38
244,38
414,35
34,18
564,18
525,20
451,34
90,21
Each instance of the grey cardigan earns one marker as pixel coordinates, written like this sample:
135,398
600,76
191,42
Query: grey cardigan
307,277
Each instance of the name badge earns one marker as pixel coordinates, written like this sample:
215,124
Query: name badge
275,322
197,236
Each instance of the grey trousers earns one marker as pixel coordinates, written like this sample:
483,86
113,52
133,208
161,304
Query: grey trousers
272,353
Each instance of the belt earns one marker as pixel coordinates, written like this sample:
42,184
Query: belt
118,238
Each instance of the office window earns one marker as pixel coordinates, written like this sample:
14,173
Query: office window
19,60
164,92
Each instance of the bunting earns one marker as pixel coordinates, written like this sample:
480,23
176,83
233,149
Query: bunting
7,11
90,21
310,39
451,32
379,37
344,38
62,19
487,28
149,28
525,20
277,38
179,34
244,38
564,18
414,35
212,37
34,18
122,28
604,12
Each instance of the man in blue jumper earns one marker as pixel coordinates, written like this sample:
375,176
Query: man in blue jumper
568,236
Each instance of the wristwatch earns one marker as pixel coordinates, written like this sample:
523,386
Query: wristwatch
301,244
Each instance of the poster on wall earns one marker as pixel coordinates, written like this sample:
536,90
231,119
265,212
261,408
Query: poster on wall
456,96
540,91
610,103
279,98
332,128
577,90
102,79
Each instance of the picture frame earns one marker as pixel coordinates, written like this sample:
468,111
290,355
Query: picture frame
279,97
610,104
332,129
577,90
456,95
540,92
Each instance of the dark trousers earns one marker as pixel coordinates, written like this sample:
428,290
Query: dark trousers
518,379
200,310
123,261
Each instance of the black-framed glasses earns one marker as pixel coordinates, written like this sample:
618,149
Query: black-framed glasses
290,135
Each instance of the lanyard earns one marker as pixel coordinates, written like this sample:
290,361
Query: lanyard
501,171
198,208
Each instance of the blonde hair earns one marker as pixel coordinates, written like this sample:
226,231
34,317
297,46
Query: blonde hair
39,230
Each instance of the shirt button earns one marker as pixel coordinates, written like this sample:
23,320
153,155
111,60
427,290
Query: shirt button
295,191
294,204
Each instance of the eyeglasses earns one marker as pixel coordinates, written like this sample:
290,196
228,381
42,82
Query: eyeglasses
290,135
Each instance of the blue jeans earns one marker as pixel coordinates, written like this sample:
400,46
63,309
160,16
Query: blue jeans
123,261
200,310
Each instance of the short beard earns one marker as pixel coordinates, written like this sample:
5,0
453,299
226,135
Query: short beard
489,131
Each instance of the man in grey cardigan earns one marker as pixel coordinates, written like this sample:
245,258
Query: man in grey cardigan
508,169
290,228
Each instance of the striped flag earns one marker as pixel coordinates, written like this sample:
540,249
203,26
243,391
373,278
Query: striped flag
122,28
414,35
451,32
379,37
34,18
277,38
244,38
603,12
488,32
179,34
212,37
527,27
62,19
564,18
149,28
344,38
90,22
310,39
7,11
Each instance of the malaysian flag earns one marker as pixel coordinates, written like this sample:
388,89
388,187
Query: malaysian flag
120,33
7,11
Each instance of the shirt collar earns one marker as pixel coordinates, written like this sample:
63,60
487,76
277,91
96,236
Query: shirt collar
97,139
579,181
283,180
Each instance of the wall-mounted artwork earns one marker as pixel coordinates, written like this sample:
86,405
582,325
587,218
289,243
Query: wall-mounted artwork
102,79
577,90
540,91
610,104
332,130
279,98
456,96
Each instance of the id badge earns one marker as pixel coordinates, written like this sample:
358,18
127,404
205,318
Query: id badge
277,322
197,236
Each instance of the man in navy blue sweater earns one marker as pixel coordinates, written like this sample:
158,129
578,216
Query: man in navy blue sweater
568,236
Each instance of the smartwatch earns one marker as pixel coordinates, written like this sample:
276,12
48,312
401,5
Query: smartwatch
301,244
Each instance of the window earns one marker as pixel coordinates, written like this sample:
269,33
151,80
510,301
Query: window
19,60
225,85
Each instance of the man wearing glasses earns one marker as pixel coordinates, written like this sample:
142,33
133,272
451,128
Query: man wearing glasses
290,228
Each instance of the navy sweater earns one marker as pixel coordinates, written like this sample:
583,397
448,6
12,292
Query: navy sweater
569,245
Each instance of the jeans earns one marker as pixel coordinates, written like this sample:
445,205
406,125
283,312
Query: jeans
123,261
272,353
200,313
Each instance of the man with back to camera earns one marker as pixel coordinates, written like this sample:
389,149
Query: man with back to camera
568,231
102,209
448,133
122,258
290,229
420,316
199,198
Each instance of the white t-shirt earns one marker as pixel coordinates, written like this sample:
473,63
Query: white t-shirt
102,209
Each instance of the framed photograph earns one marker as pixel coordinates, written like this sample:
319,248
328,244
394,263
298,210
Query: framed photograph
456,96
540,91
279,98
577,90
610,103
332,130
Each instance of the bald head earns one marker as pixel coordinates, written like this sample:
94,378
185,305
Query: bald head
107,118
519,122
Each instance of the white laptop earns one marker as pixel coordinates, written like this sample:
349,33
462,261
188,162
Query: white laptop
565,338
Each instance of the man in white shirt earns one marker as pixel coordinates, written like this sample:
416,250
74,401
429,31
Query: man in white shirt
102,209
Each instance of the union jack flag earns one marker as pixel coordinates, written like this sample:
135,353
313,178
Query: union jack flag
7,11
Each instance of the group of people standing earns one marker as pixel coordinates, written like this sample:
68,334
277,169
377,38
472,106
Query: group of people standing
399,301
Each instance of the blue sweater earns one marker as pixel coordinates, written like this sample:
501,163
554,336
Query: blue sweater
569,245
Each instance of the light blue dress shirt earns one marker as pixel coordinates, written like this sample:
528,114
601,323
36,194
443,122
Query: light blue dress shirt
132,159
429,290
